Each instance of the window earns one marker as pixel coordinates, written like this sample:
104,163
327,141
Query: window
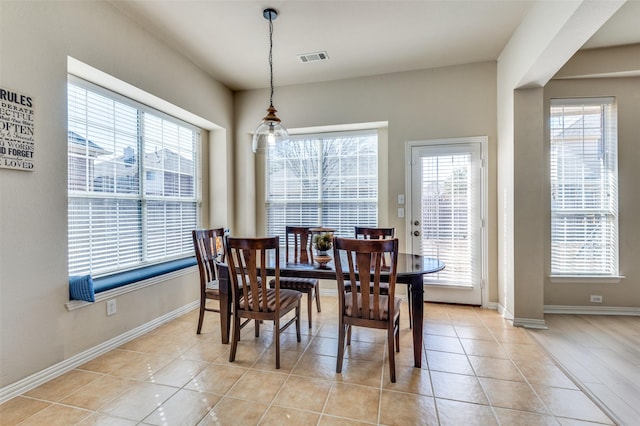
131,183
584,187
328,179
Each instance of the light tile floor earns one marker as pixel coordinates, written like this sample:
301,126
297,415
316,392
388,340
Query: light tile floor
477,370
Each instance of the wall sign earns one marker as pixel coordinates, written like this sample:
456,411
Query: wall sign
16,131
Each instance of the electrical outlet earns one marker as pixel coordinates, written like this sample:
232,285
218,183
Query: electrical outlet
596,298
111,307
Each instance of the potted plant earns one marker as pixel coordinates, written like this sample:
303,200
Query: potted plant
322,244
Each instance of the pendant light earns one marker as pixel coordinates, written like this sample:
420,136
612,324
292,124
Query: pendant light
270,130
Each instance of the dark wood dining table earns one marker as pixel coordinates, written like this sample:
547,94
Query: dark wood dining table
410,271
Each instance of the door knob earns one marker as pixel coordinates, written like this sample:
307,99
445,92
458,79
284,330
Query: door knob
416,223
416,233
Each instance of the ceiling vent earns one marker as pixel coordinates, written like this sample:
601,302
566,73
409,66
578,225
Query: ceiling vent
313,57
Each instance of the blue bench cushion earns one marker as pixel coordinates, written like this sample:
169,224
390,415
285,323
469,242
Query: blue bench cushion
123,278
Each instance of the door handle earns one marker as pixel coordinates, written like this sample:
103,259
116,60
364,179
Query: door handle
416,233
416,223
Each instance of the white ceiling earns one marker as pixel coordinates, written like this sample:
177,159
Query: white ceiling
230,39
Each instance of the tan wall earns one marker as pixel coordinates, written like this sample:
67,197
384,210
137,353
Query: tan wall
36,37
420,105
627,292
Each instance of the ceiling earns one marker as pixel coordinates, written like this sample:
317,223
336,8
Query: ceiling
230,39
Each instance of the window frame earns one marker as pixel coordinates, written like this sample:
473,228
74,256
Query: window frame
145,269
320,201
608,137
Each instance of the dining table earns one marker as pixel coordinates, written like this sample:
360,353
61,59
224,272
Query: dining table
410,271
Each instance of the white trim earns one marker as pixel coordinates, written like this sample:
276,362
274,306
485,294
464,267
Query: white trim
537,324
77,360
94,75
110,294
484,201
592,310
495,306
588,279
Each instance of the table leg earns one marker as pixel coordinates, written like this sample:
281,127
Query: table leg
417,305
225,302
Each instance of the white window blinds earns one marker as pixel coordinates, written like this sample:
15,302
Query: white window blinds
584,187
328,179
118,220
451,212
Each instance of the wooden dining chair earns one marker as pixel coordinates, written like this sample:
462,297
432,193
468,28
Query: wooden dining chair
298,250
247,261
379,234
209,247
370,305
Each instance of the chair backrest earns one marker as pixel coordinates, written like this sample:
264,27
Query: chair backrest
209,247
364,259
247,260
374,233
301,250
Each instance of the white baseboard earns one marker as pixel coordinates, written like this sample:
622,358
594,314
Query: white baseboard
537,324
35,380
591,310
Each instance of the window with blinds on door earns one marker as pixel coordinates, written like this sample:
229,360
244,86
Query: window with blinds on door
326,179
584,187
450,212
131,183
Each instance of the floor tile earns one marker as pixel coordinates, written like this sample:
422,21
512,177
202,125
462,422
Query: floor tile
458,387
138,401
353,402
276,416
303,393
486,348
57,415
513,395
449,362
456,413
186,407
523,418
177,373
570,403
409,380
98,393
61,387
216,378
232,411
397,408
496,368
19,408
259,386
443,344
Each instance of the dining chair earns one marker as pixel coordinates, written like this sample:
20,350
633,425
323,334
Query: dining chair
247,261
209,247
382,233
301,252
370,305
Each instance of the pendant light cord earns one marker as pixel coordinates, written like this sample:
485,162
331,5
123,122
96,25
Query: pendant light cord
271,58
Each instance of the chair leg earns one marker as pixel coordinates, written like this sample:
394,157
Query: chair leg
201,317
258,328
392,356
348,335
410,302
397,333
236,337
309,300
298,336
317,290
277,330
341,336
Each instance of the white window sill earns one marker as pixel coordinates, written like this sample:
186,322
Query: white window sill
587,279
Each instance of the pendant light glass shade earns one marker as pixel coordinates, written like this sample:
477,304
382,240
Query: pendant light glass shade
270,131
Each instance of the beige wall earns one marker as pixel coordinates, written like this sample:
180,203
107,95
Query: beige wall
37,331
419,105
627,94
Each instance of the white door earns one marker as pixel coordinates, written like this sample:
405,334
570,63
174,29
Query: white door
446,219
